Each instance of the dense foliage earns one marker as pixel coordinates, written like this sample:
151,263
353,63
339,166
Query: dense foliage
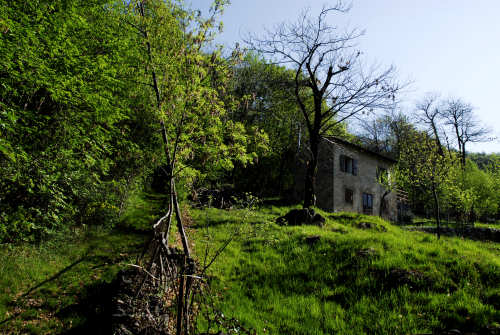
79,122
71,141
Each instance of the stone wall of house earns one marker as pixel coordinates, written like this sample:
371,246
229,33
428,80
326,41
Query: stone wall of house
331,182
364,182
324,177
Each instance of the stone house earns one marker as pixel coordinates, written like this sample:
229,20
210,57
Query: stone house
347,179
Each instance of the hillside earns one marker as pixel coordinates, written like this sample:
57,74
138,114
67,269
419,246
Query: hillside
363,275
356,275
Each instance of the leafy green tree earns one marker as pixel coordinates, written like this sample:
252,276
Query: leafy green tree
265,103
474,193
67,150
185,86
422,166
386,133
189,111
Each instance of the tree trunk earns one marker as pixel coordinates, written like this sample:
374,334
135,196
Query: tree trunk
463,155
436,211
459,140
281,172
382,207
438,141
311,169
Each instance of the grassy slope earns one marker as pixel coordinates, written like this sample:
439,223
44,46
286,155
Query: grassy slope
276,283
270,278
451,224
68,278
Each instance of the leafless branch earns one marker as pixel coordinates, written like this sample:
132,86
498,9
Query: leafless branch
328,71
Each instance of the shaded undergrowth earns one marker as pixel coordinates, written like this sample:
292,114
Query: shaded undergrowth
64,285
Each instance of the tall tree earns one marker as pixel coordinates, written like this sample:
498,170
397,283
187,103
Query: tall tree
267,103
182,83
430,114
328,67
460,117
402,131
385,133
422,166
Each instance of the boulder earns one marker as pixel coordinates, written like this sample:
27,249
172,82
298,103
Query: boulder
318,219
297,217
365,225
412,278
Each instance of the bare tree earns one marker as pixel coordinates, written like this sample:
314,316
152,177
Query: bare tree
401,131
430,114
460,117
386,133
328,71
375,133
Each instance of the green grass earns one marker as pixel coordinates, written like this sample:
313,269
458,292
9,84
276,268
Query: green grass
487,225
268,277
64,284
451,224
142,210
61,284
271,280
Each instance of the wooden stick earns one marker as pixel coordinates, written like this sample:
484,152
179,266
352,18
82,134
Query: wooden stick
143,269
180,297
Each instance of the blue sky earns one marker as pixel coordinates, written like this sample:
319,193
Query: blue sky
447,46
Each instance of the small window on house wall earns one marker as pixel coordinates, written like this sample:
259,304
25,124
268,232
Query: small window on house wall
348,165
349,195
367,203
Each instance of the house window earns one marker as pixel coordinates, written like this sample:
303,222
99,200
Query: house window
349,195
367,203
348,165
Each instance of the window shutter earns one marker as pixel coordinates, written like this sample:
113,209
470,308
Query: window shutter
342,163
355,167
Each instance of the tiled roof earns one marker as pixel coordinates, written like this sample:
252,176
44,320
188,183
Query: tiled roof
359,148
